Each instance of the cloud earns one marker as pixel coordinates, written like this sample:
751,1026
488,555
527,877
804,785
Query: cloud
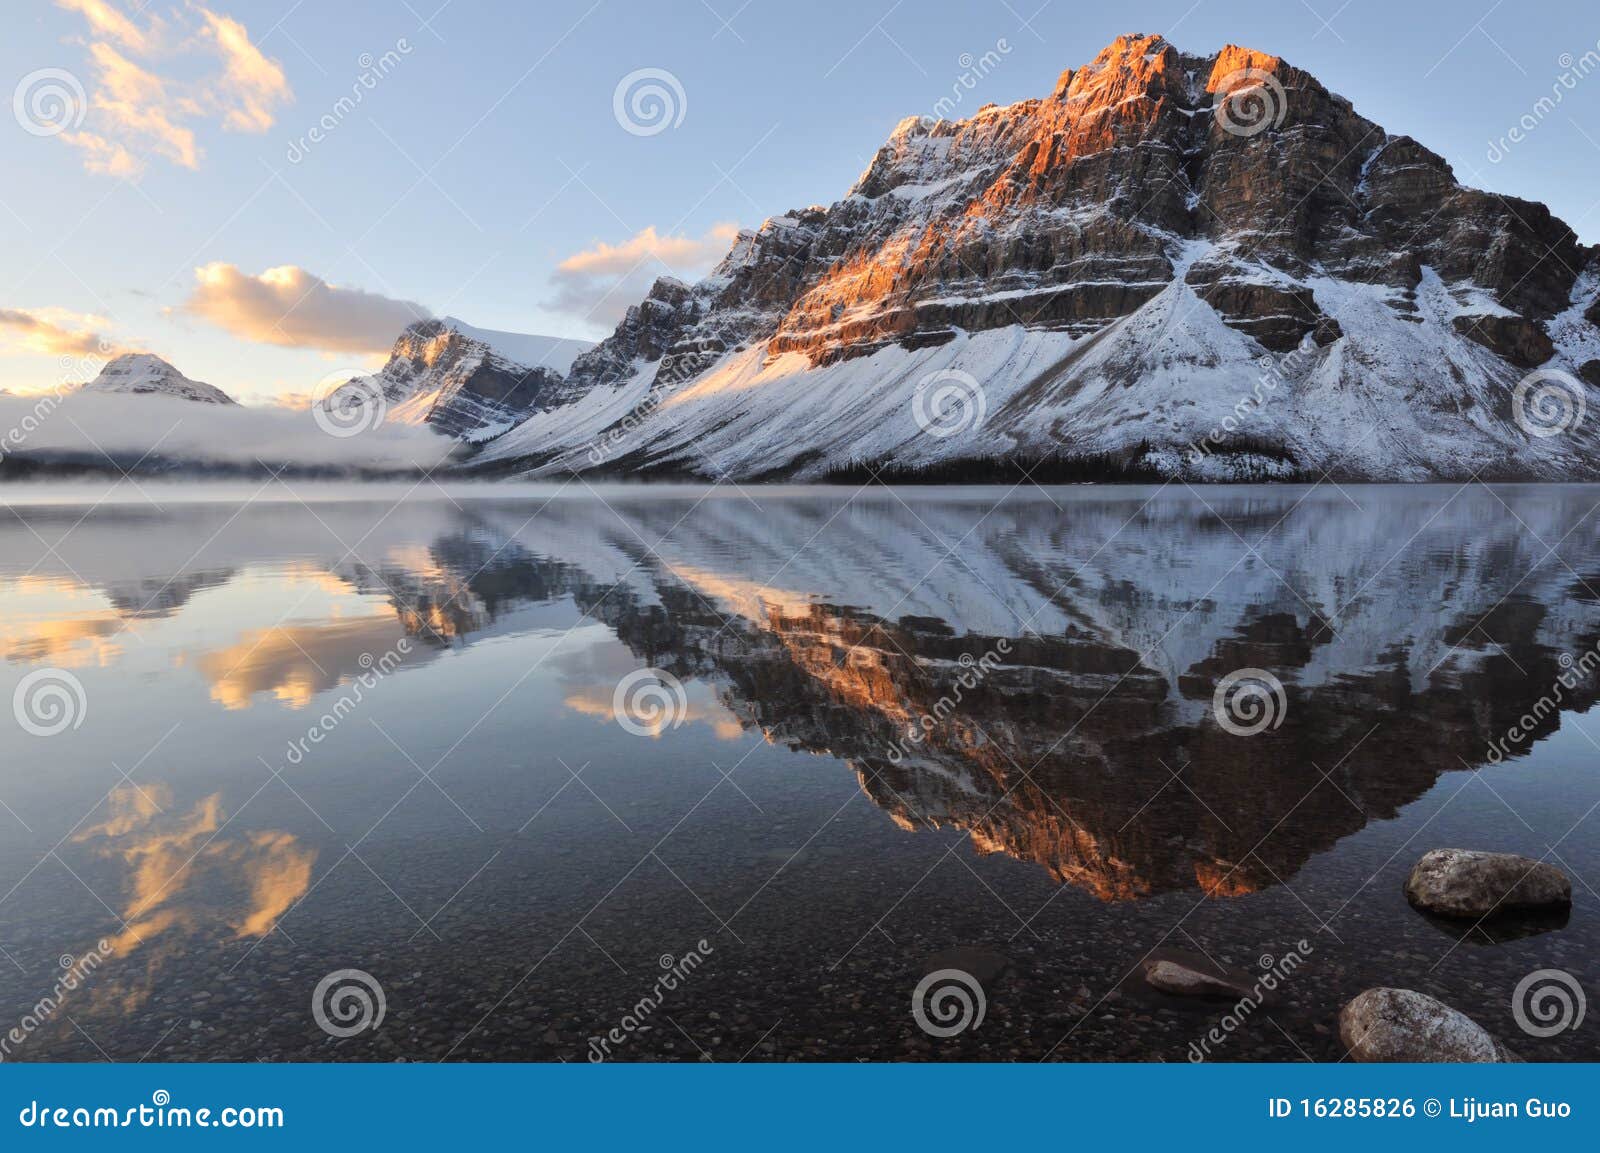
51,332
589,679
135,112
293,308
600,283
614,259
102,155
251,84
93,426
106,21
74,640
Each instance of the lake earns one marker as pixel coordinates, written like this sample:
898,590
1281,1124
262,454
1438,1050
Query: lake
579,773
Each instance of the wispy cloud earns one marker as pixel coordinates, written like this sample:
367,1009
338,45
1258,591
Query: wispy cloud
136,115
599,283
293,308
106,21
251,84
135,111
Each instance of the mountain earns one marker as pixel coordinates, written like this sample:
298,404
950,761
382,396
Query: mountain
466,382
552,352
1206,266
143,374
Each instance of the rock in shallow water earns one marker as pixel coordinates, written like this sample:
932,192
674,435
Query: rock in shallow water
1470,884
1404,1025
1185,974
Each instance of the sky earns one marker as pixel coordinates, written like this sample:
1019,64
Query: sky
265,193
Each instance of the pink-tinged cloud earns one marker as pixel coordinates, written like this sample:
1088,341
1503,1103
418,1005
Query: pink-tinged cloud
251,85
51,332
293,308
599,283
136,112
108,22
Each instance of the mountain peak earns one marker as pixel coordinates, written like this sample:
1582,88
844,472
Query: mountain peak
1130,44
525,349
461,380
1110,269
146,374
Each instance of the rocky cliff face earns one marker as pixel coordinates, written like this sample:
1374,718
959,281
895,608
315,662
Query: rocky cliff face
465,382
1212,262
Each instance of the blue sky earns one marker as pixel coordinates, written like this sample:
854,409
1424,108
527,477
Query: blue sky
489,152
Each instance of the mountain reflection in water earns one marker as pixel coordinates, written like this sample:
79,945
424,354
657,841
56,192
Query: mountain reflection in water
1037,674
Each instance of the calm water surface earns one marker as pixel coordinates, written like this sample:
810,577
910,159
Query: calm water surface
304,734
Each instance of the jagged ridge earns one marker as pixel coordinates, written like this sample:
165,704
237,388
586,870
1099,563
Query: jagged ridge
466,382
1116,266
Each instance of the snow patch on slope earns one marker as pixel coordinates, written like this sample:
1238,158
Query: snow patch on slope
525,348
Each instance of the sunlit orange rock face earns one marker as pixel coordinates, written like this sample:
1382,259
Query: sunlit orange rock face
1132,96
439,376
1070,211
995,765
1033,180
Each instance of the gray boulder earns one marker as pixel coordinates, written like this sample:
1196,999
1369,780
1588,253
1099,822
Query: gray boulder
1404,1025
1469,884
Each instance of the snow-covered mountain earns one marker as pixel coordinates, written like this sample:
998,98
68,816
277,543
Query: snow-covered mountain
466,382
143,374
535,351
1210,266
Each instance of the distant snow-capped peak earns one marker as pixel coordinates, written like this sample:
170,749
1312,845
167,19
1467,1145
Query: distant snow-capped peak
145,374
